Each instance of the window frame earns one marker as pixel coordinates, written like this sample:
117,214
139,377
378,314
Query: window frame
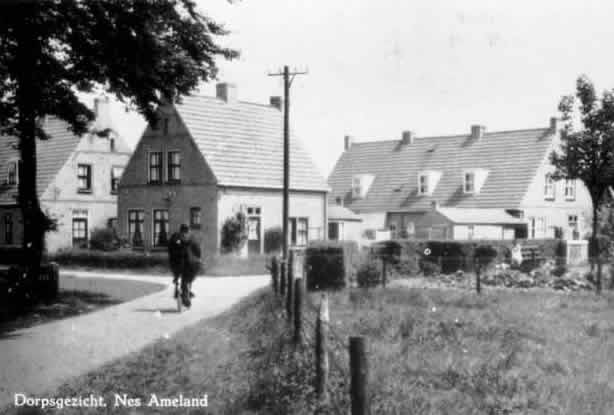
356,186
549,183
293,228
425,185
80,242
159,167
8,229
466,182
170,166
139,223
87,177
115,189
195,224
154,234
12,164
570,189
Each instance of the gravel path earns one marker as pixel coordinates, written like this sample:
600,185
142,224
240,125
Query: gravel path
40,358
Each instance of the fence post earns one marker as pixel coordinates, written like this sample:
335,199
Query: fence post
289,286
322,367
358,374
384,273
275,274
298,311
282,277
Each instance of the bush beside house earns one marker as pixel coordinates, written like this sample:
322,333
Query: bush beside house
273,240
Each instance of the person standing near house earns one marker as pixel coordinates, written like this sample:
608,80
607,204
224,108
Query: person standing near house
191,266
177,246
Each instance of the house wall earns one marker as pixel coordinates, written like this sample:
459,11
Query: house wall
349,230
494,232
197,187
433,225
61,198
301,204
555,212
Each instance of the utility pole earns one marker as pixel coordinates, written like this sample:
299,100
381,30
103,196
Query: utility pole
288,78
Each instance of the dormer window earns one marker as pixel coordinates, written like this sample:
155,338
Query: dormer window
473,180
361,184
570,189
13,173
423,184
469,182
427,182
549,187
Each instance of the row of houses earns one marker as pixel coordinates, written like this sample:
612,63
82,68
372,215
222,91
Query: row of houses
208,158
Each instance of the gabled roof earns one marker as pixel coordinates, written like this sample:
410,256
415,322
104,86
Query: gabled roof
510,157
51,155
243,144
479,216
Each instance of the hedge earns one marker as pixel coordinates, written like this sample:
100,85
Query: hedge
451,256
111,260
330,265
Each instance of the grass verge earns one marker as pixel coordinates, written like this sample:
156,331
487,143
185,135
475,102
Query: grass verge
78,296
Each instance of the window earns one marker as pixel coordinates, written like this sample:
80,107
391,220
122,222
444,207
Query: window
298,231
549,187
469,183
116,174
13,173
572,220
540,227
253,210
423,184
112,144
174,166
136,219
195,217
84,178
393,230
356,186
8,229
155,167
160,227
570,189
79,228
155,124
470,232
334,231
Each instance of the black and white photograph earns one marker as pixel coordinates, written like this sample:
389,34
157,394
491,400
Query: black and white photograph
306,207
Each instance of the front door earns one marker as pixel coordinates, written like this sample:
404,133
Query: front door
253,235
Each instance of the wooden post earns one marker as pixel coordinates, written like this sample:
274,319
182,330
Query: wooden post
384,273
289,289
282,277
358,374
478,282
298,311
275,274
322,367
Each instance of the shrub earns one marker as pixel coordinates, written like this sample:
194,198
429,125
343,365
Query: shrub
430,268
559,270
330,265
104,239
485,256
233,233
273,240
368,273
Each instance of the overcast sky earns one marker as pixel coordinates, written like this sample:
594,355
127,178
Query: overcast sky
435,67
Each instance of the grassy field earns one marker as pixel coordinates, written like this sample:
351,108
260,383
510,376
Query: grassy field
430,352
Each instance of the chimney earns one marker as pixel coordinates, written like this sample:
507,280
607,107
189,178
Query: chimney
102,112
347,142
408,137
435,205
276,102
226,92
555,125
477,131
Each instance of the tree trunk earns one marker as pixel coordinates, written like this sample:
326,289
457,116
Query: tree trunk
34,220
596,247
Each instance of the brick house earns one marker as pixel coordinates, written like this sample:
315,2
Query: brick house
209,158
77,181
481,185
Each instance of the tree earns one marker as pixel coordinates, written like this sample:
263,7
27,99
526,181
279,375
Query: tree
587,153
141,51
